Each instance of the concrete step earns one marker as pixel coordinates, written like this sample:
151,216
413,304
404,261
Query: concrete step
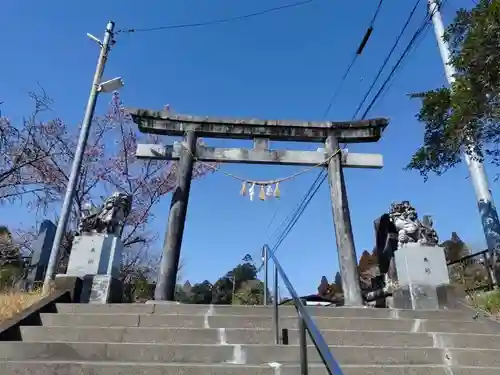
109,368
247,321
242,354
213,336
340,312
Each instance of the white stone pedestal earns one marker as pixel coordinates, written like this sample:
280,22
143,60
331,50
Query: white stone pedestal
96,259
95,254
422,278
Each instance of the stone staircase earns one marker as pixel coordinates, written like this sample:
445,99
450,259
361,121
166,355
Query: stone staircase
147,339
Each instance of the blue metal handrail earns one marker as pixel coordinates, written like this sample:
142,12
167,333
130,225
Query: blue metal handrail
305,321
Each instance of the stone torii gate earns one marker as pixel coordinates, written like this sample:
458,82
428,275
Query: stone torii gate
261,131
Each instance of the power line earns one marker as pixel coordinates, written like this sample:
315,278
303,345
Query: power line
389,55
321,178
278,233
359,51
217,21
292,219
339,86
425,24
391,75
285,224
403,63
379,6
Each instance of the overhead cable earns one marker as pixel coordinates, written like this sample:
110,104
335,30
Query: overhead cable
289,223
389,55
359,51
217,21
299,210
423,27
315,187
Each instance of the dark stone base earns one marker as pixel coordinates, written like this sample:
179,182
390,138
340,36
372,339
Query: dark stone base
101,289
92,288
422,297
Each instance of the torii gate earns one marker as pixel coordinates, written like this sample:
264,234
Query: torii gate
261,131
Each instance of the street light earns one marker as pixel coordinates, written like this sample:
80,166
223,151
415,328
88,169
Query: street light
111,85
97,87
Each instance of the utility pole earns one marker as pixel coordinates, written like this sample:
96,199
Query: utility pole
80,149
487,209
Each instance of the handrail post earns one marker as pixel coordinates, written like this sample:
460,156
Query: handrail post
303,346
306,324
275,306
265,258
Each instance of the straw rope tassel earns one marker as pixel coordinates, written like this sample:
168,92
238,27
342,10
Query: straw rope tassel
262,193
277,192
262,184
269,191
251,191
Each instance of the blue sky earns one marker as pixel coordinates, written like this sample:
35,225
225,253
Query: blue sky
280,65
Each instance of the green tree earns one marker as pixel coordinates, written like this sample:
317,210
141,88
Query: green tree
200,293
222,292
230,283
470,109
8,250
11,266
250,293
467,274
242,272
455,248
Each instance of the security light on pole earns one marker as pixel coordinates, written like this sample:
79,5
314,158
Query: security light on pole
111,85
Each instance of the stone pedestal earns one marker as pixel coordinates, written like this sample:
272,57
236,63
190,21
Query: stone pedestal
96,259
95,254
422,278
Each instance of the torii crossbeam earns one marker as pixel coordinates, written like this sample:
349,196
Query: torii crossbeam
261,131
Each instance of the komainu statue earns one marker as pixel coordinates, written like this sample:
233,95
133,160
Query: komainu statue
410,228
109,217
395,229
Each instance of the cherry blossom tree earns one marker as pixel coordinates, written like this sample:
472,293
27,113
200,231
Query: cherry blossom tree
20,148
109,165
